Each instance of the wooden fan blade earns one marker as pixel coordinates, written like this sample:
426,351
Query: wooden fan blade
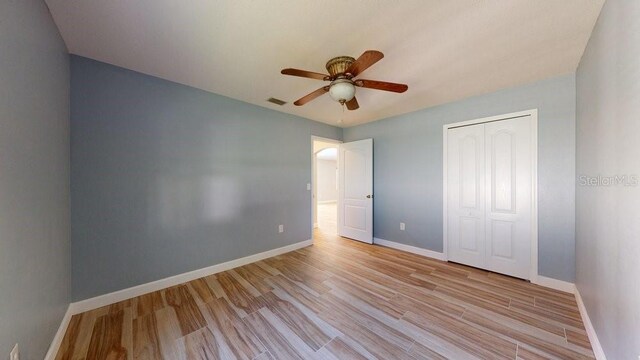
365,60
381,85
305,99
352,104
305,74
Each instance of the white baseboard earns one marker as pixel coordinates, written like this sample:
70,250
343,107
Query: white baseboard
554,284
408,248
57,339
539,280
114,297
591,331
124,294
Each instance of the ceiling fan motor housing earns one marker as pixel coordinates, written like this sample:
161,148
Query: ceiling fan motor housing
339,65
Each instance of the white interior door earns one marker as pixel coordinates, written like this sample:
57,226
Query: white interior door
355,190
489,196
509,196
466,195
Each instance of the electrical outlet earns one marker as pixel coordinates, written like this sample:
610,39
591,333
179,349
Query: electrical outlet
402,226
15,353
280,228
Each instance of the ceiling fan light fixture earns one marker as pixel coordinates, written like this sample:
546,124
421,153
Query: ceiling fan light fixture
342,90
343,71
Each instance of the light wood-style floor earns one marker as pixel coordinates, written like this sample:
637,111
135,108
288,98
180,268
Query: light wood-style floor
328,218
337,299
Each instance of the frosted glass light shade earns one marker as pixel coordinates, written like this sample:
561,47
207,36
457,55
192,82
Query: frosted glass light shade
342,90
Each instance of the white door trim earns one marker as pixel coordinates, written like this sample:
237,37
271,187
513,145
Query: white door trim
314,205
533,113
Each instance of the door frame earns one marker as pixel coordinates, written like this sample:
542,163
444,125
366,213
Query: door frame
533,113
314,204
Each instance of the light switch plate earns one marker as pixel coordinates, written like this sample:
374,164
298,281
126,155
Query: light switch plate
308,186
402,226
280,228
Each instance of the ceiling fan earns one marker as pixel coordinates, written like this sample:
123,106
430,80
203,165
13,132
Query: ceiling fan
342,72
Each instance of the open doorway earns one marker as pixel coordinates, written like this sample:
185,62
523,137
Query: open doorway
327,189
342,188
325,185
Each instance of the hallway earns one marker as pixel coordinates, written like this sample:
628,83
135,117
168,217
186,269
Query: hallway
328,218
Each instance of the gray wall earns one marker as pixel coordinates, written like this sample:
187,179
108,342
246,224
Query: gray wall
408,168
608,217
35,268
166,178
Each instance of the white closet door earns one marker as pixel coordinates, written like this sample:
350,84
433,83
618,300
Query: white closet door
508,196
466,195
489,196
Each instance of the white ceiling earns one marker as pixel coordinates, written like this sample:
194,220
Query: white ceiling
444,50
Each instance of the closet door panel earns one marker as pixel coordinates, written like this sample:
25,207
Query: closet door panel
508,171
466,195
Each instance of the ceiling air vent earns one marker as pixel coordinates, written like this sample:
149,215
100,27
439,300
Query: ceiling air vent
276,101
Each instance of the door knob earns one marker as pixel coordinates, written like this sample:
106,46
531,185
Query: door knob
369,196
